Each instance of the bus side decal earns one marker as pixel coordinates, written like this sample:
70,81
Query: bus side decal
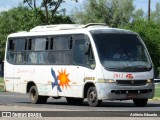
62,77
55,83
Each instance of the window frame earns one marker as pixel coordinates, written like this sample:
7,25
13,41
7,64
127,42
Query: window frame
70,52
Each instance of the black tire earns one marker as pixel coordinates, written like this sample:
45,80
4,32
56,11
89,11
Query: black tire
35,98
140,102
74,101
93,98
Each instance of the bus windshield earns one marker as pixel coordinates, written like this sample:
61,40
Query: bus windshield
122,52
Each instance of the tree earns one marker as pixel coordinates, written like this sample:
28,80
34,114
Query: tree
50,7
111,12
17,19
138,14
155,15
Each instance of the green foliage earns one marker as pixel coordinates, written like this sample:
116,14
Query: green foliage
155,15
111,12
138,14
50,8
16,19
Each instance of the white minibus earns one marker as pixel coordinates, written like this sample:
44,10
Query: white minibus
93,62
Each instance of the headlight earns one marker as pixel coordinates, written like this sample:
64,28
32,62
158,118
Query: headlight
105,80
149,81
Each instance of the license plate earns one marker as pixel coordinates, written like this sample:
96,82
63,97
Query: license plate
131,96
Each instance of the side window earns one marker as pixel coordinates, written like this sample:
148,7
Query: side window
11,45
17,44
37,53
10,57
79,52
40,44
83,53
61,43
21,44
37,57
30,44
31,58
19,58
16,50
59,57
51,42
60,50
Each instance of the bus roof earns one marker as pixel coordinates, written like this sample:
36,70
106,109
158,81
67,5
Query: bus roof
67,29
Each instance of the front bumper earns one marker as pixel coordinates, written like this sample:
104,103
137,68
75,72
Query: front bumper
112,91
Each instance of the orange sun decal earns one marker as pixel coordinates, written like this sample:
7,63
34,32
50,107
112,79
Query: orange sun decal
63,78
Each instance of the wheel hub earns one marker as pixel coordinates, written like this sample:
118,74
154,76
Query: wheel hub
93,96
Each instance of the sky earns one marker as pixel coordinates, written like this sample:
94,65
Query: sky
69,5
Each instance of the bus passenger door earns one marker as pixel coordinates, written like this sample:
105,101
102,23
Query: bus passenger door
90,71
78,67
77,81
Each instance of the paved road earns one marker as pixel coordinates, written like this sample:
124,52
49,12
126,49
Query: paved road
9,98
20,102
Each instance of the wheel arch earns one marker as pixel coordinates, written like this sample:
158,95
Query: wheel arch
86,87
29,85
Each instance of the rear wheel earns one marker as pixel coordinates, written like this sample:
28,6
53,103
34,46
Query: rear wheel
140,102
74,101
35,98
92,97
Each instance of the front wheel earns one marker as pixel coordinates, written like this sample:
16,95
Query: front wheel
140,102
35,98
92,97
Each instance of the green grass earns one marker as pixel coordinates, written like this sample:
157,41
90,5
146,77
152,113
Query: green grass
1,80
157,94
1,89
1,86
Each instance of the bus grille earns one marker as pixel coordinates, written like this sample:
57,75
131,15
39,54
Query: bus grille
131,82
